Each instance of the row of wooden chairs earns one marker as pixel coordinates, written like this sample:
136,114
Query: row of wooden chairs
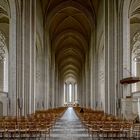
35,125
102,125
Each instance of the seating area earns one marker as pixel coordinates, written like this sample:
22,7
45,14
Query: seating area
95,125
102,125
37,125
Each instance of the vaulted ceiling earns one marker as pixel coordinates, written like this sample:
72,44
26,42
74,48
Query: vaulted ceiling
70,23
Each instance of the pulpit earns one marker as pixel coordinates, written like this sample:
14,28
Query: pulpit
130,80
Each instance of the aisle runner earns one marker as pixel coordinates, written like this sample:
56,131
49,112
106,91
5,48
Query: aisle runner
69,127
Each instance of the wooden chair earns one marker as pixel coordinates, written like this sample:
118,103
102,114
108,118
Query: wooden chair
106,130
2,130
136,131
23,129
95,131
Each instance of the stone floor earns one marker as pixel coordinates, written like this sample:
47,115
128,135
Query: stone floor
69,127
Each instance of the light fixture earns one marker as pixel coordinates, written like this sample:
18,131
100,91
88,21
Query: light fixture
136,54
136,59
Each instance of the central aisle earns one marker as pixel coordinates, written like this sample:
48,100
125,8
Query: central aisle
69,127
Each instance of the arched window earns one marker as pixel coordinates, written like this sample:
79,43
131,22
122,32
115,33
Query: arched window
2,47
70,92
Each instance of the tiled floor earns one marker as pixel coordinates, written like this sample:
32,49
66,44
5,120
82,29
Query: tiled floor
68,127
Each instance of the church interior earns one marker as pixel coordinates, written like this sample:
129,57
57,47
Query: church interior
69,69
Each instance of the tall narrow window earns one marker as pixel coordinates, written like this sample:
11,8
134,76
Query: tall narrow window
3,64
70,93
134,72
64,93
75,92
2,47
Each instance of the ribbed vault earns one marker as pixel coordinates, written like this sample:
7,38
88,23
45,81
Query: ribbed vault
70,23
